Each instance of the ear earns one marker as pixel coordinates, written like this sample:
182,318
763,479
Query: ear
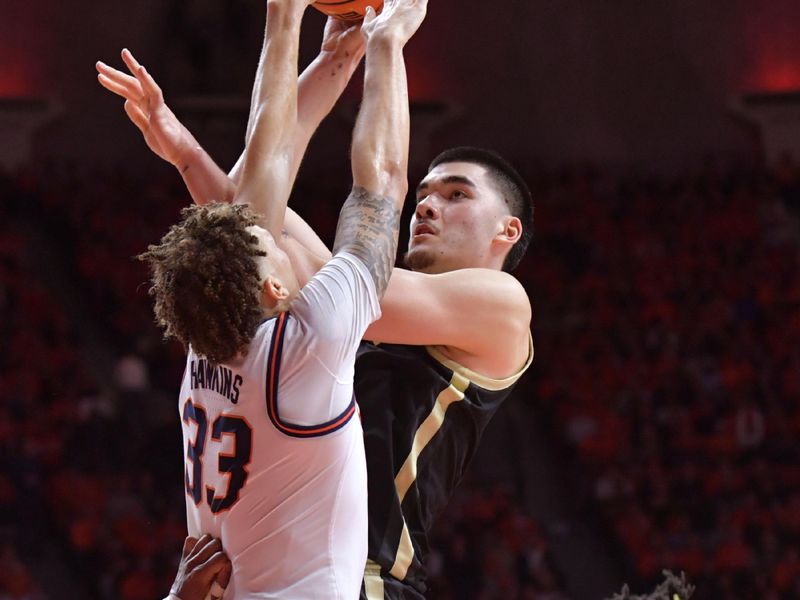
511,232
274,291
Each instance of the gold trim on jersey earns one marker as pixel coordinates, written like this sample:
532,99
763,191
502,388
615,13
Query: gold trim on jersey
373,582
460,381
487,383
408,472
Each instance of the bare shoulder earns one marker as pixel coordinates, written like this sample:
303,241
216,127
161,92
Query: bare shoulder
510,286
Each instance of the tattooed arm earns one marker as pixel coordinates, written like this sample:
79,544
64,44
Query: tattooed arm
369,220
367,228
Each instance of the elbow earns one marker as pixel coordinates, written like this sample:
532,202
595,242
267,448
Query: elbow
386,178
396,175
395,188
393,168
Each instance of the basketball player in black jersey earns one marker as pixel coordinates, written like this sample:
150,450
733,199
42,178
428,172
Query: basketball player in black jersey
455,328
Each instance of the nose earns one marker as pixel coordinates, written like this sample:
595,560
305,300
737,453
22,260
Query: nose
427,209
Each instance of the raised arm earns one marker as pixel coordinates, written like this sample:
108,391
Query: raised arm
369,219
267,177
164,134
319,87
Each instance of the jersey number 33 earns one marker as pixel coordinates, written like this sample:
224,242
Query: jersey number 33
233,465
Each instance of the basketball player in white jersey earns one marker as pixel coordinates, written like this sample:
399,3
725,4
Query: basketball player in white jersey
275,462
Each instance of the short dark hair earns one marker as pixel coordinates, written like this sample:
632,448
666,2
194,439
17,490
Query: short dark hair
205,280
512,186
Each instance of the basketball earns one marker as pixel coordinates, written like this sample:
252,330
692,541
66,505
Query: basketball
347,10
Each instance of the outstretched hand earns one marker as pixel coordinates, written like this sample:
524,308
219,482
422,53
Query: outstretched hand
144,105
398,20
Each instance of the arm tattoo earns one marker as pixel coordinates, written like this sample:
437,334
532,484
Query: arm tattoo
367,229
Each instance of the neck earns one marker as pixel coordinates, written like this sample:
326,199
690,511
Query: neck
273,311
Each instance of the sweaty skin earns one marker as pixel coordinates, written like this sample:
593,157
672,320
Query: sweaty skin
476,314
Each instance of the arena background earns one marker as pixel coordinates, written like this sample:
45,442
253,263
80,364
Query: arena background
658,426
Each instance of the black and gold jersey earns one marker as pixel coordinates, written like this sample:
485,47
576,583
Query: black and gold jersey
423,416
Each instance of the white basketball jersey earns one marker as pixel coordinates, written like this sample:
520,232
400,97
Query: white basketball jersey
274,457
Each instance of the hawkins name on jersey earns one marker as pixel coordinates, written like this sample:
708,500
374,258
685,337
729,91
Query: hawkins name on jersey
217,378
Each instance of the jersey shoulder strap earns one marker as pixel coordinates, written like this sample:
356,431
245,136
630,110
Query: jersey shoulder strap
273,378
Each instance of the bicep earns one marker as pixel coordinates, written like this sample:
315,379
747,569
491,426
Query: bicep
467,309
414,311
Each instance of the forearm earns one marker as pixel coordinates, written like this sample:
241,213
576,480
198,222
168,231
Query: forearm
367,228
381,136
321,85
280,42
275,90
204,179
369,220
266,178
319,88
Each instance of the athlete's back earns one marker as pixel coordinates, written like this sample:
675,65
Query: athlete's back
274,459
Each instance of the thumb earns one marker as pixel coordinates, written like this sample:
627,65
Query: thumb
369,15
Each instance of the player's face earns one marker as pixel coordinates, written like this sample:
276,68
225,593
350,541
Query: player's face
458,217
276,263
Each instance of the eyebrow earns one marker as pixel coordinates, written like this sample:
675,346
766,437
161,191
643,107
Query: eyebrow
449,180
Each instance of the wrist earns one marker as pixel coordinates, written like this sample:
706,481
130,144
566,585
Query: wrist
289,10
388,40
341,57
187,157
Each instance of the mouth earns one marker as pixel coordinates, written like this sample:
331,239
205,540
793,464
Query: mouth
424,229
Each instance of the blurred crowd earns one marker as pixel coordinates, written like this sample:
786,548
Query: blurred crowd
485,547
91,465
668,362
666,324
80,462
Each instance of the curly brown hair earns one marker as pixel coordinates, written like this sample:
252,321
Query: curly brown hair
205,280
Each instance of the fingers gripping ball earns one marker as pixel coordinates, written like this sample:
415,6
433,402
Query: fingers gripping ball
347,10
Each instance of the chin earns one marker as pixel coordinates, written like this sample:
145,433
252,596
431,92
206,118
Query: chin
420,260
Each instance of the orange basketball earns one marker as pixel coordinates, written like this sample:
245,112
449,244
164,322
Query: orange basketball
347,10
